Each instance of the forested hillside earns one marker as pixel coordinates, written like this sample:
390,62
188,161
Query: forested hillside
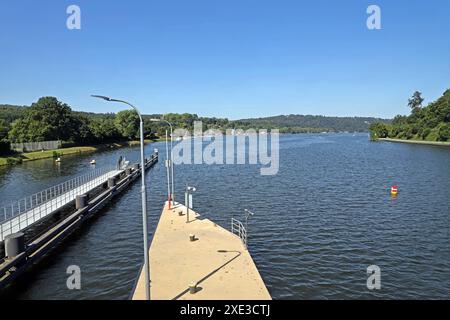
309,123
430,123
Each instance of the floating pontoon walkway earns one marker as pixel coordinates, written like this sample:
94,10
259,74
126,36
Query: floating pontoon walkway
26,212
217,262
90,193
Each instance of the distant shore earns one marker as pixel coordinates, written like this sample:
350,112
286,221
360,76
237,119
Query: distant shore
47,154
431,143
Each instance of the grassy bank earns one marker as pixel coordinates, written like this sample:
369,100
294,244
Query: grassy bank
31,156
431,143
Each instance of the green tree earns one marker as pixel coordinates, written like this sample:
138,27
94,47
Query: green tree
4,128
426,123
127,124
416,101
84,135
444,132
104,130
379,130
4,144
47,119
399,120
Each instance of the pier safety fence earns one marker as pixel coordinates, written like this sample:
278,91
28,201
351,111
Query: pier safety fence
28,210
238,229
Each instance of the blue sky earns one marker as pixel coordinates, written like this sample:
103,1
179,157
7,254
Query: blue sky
227,58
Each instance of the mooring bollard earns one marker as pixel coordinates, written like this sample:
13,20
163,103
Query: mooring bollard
193,288
111,182
14,244
81,201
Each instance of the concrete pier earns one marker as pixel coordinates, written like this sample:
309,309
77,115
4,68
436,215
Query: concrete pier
215,266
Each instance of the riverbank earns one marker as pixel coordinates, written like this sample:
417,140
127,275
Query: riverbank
431,143
38,155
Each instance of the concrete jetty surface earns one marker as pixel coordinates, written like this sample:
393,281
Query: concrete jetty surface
216,261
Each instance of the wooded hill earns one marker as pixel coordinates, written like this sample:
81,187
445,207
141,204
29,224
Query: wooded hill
430,123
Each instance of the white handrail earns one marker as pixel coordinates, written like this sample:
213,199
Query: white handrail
238,229
28,203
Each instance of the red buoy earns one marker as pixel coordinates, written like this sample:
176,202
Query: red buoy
394,191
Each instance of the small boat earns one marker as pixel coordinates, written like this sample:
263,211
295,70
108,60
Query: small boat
58,160
93,162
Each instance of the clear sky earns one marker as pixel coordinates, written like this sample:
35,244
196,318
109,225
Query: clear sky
226,58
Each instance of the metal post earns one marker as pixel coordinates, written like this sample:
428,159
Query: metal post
172,165
187,203
189,191
248,213
144,198
171,156
168,172
144,215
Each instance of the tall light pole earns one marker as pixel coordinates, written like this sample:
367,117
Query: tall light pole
171,156
168,164
143,196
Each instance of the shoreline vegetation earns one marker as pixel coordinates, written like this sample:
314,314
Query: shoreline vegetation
425,125
48,154
423,142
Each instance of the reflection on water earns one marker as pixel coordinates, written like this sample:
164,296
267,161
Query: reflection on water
319,223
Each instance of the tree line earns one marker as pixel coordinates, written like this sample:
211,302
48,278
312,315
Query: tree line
50,119
430,123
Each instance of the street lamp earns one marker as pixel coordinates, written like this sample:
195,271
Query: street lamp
168,164
143,196
171,156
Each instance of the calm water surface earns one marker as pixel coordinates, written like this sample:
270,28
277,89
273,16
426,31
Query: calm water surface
319,223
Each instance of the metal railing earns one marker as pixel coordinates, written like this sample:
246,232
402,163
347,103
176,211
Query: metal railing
238,229
27,211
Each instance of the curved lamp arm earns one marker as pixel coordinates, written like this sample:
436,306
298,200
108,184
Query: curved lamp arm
121,101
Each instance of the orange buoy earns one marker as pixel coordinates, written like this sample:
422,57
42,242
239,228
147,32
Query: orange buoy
394,191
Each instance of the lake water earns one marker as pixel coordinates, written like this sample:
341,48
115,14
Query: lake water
319,223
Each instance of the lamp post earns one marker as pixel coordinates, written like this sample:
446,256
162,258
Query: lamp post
169,198
143,196
171,156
